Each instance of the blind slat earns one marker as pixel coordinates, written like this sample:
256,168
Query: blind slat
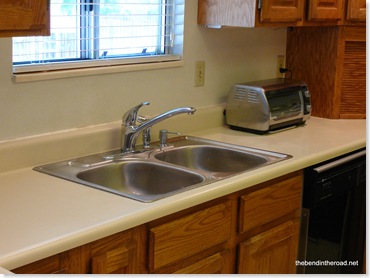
116,30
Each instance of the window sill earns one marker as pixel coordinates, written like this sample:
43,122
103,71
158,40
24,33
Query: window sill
59,74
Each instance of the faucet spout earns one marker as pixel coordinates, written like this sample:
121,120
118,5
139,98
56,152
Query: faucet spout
130,131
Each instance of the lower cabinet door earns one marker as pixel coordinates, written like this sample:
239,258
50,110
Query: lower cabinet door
271,252
117,261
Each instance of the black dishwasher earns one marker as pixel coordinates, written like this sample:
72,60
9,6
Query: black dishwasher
334,197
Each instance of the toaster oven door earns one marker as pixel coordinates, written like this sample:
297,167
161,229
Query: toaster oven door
285,105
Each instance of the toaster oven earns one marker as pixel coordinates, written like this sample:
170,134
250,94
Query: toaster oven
268,105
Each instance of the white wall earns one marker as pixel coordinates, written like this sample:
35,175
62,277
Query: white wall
231,55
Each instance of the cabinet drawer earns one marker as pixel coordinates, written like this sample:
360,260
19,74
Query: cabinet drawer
280,197
186,236
215,264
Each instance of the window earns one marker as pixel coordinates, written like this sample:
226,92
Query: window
93,33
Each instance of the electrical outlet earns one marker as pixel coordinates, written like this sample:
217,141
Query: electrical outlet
280,64
200,68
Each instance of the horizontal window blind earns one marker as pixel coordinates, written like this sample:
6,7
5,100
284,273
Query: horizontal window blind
93,33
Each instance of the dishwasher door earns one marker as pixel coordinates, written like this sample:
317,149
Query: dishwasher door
334,194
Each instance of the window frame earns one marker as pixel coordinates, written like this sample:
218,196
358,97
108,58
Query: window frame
81,67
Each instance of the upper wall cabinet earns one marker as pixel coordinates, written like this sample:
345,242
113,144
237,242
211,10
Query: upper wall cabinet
319,10
356,11
218,13
276,13
280,11
24,18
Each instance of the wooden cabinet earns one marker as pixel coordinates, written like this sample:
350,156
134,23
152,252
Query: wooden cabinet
116,254
356,11
175,242
214,264
273,11
68,262
297,13
271,252
120,253
332,61
276,13
24,18
251,231
319,10
218,13
269,227
274,201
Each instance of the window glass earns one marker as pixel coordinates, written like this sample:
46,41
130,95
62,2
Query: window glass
97,31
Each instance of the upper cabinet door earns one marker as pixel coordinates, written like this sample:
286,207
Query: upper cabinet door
281,10
24,17
319,10
356,10
218,13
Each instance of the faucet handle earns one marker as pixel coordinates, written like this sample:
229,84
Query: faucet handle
129,118
146,132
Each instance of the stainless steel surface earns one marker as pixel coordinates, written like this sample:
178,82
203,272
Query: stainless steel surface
130,130
146,133
151,174
218,161
140,178
263,105
339,162
163,137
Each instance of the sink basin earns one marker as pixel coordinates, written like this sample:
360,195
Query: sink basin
220,162
145,181
158,172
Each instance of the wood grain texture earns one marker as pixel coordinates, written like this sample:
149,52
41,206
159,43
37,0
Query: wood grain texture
356,10
24,17
186,236
353,97
115,261
328,10
214,264
312,57
282,11
271,252
239,13
331,60
263,206
117,253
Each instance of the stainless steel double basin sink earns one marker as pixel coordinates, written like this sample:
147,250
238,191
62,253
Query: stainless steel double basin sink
148,175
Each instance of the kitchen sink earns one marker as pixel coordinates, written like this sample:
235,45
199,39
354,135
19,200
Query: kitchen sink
149,174
218,161
138,178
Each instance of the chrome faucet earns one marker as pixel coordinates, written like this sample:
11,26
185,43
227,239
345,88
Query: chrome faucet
130,129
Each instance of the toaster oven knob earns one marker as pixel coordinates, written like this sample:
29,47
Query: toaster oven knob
307,94
308,108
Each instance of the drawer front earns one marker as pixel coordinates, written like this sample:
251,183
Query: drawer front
186,236
215,264
272,202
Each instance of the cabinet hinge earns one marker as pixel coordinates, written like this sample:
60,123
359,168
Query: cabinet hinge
259,4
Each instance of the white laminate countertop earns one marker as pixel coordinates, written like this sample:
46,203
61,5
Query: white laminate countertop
41,215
